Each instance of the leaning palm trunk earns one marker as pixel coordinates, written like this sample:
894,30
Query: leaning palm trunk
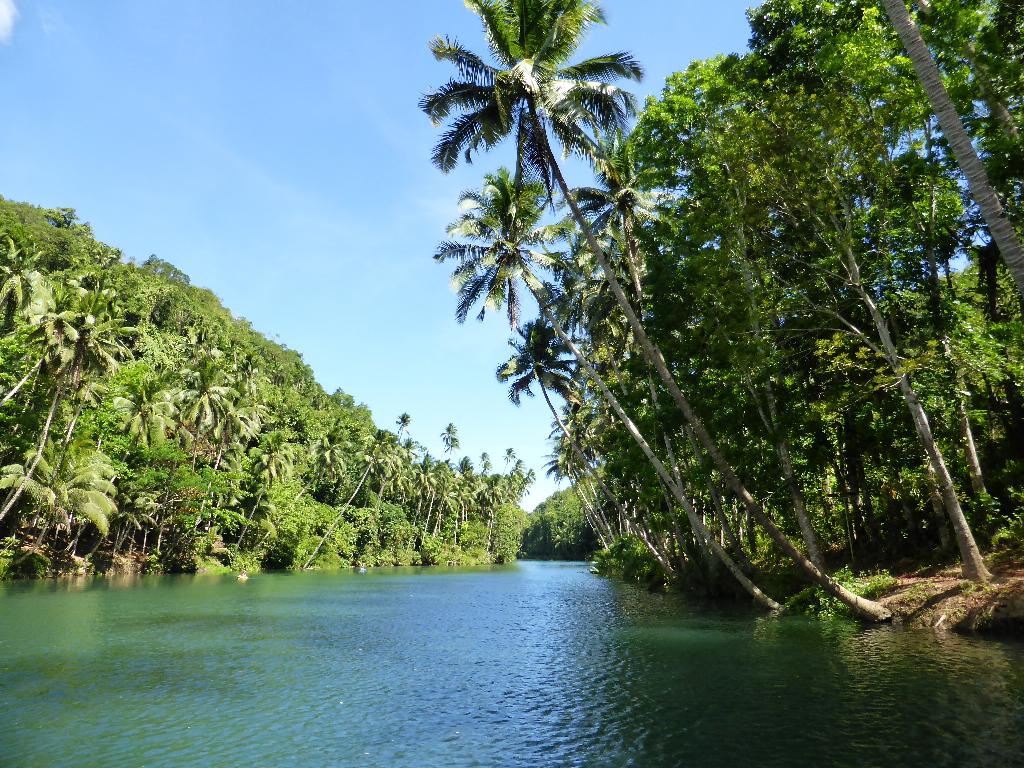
659,467
595,516
966,155
15,494
581,456
24,380
338,518
796,495
973,565
865,608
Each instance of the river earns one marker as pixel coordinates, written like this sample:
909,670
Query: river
533,664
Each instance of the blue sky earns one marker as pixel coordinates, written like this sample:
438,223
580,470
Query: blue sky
274,151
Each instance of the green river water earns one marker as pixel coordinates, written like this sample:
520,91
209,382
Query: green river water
527,665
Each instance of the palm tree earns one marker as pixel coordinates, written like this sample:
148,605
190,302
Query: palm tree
403,422
273,458
74,484
206,398
370,457
330,457
450,438
507,245
510,456
541,358
535,93
959,140
82,335
239,424
619,202
148,408
532,88
17,277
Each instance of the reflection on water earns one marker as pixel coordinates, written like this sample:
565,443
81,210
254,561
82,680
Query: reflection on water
532,665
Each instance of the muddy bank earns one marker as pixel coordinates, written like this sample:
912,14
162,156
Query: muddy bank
944,601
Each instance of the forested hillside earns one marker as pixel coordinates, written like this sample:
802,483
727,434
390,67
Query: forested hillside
143,427
780,327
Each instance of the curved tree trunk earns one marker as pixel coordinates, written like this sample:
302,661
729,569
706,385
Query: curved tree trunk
21,383
338,518
1003,232
771,422
973,564
579,453
15,494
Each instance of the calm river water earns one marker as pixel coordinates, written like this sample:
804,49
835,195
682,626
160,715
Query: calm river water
532,665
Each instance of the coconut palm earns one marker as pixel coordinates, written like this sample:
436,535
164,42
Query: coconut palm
83,336
18,274
450,438
329,455
542,359
619,202
206,397
403,422
371,455
239,423
148,408
531,88
507,245
68,486
273,459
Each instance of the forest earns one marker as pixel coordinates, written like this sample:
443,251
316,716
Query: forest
143,428
778,325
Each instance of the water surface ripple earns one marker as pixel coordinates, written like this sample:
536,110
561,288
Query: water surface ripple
528,665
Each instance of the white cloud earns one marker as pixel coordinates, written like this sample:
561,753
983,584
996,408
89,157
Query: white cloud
8,13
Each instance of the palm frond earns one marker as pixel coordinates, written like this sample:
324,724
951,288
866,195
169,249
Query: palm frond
610,66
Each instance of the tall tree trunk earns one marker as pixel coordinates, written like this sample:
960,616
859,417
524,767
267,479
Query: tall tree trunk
967,158
15,494
337,519
973,563
22,382
796,495
771,419
580,455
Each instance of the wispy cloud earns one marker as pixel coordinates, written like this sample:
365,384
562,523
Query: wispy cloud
8,15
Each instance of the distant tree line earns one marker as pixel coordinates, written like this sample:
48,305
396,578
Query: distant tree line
144,428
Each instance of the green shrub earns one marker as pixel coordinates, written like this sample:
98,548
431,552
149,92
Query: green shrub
814,601
628,559
1009,540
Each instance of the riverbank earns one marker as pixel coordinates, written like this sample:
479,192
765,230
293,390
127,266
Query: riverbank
933,597
940,599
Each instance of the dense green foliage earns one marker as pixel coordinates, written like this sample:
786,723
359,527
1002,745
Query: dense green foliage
558,530
143,427
782,336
